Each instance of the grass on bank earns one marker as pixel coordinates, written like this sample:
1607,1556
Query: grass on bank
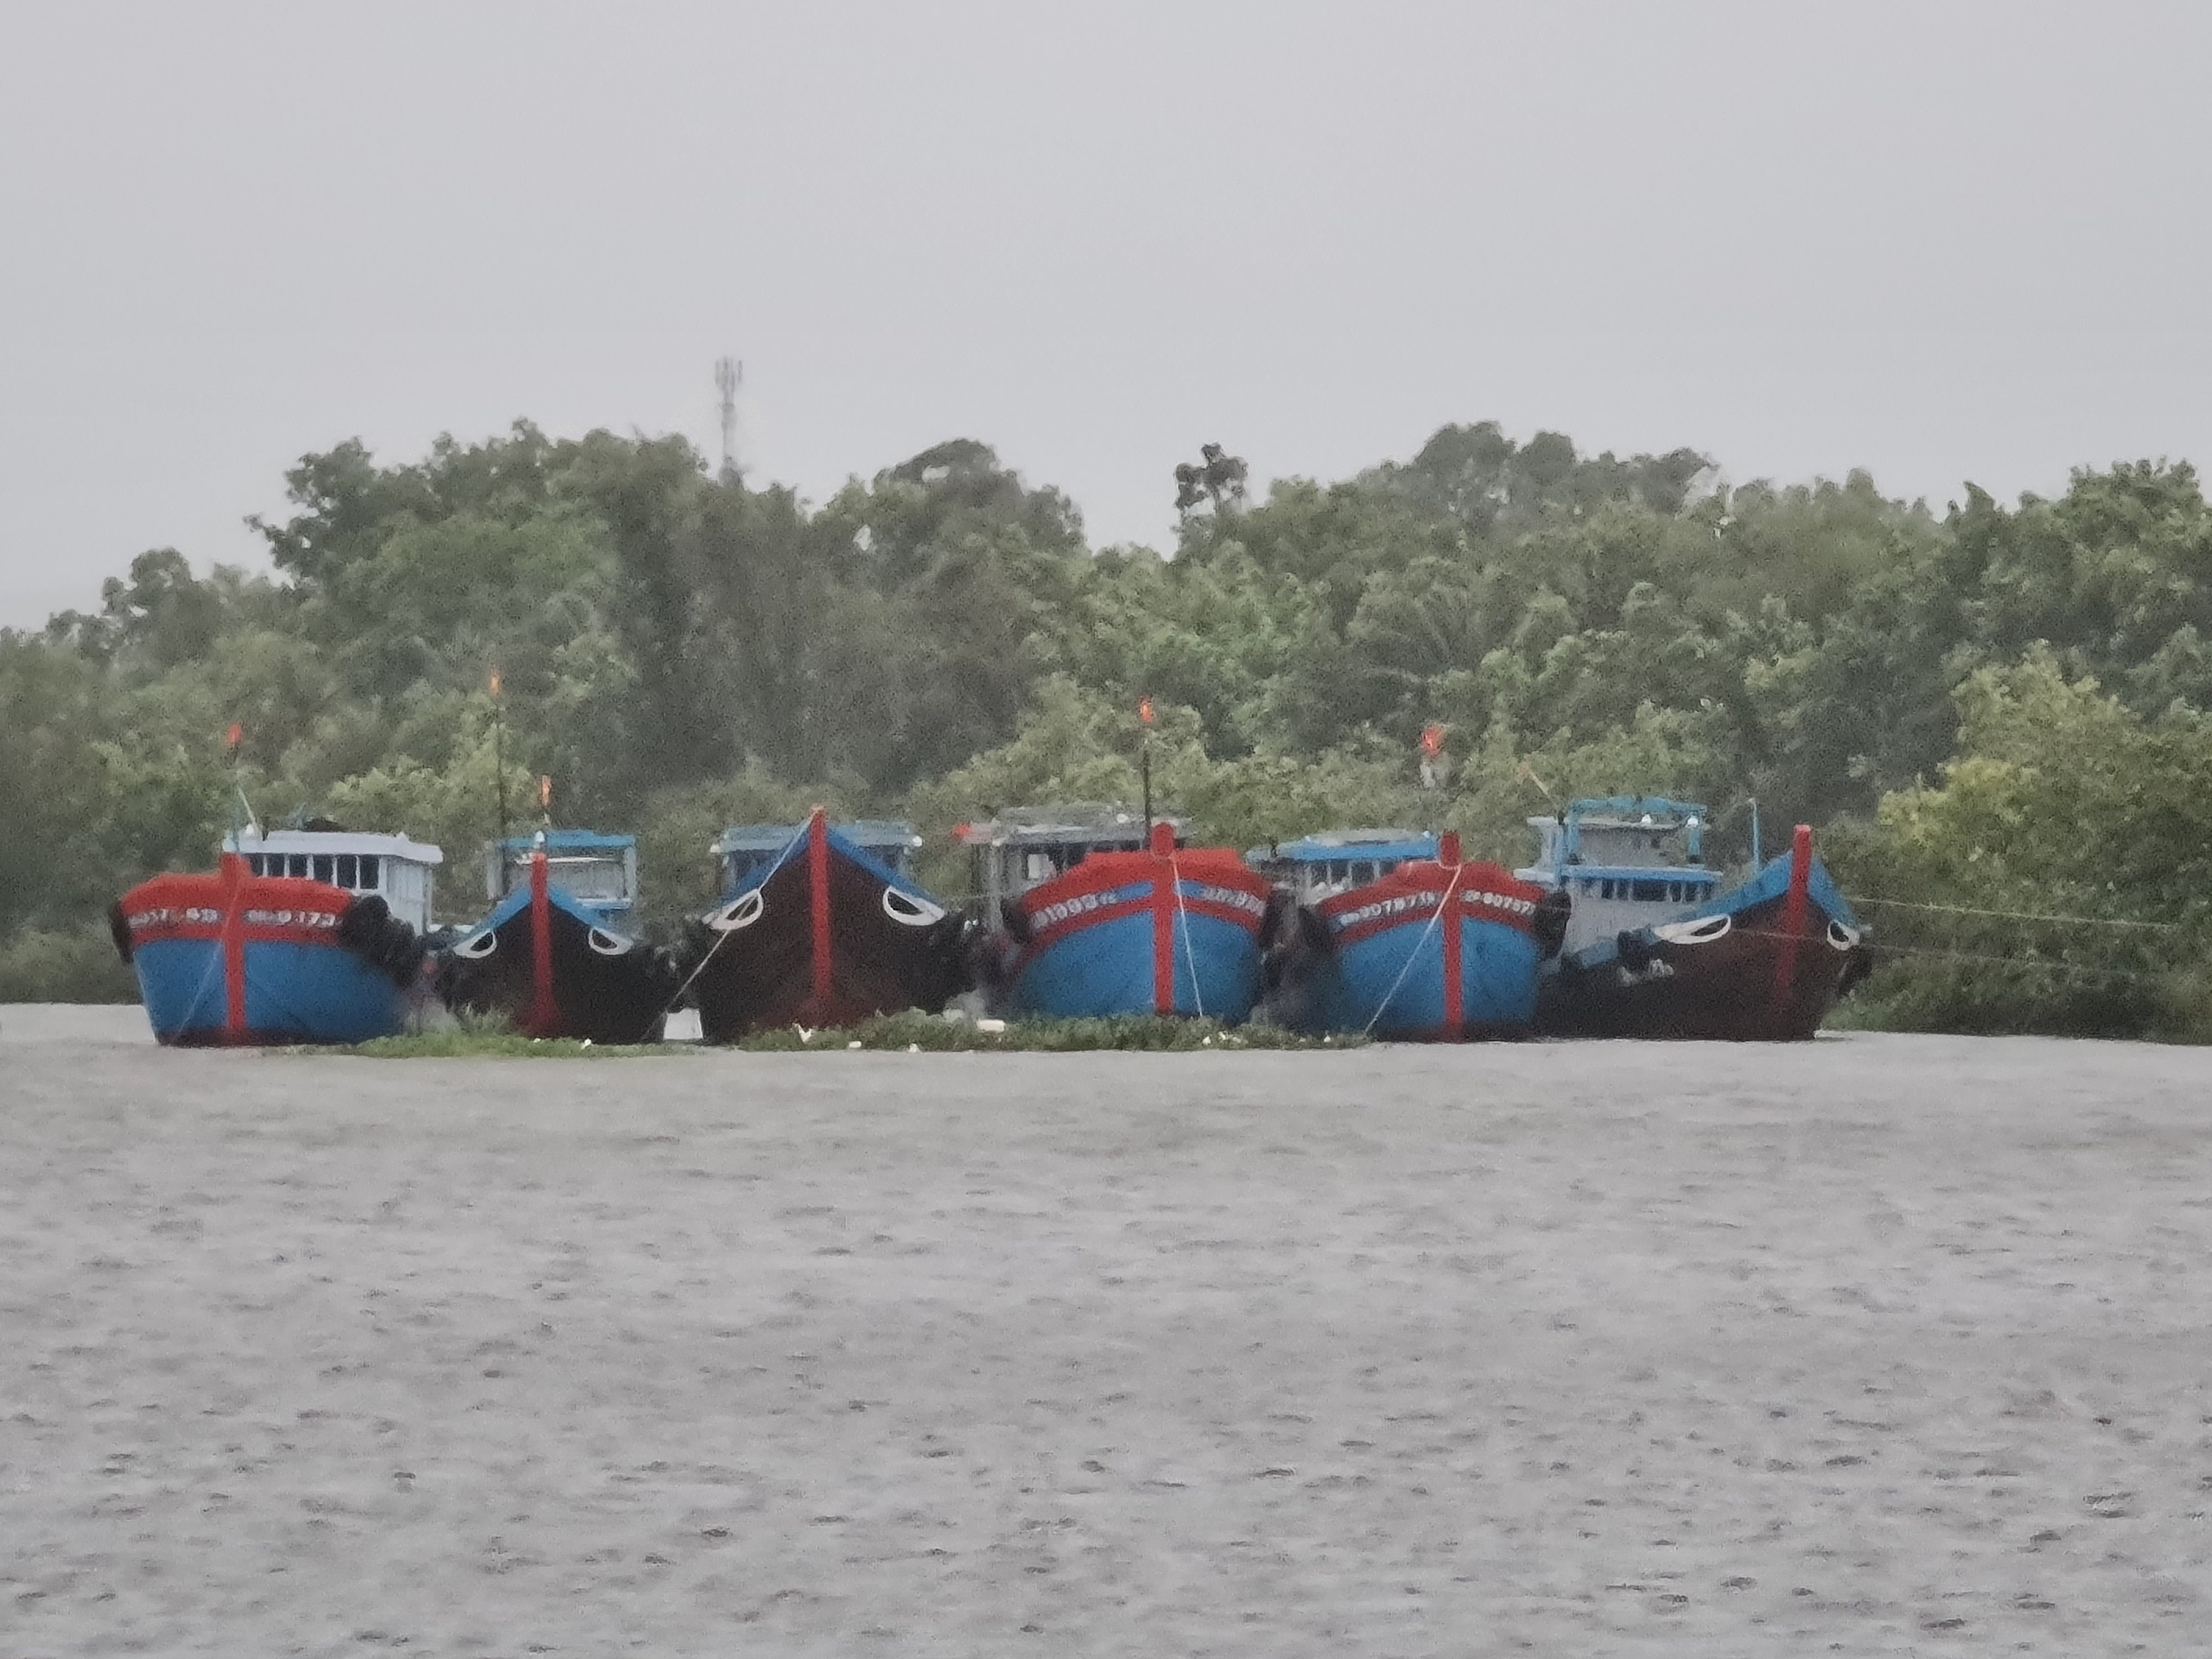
885,1034
454,1044
1131,1034
493,1036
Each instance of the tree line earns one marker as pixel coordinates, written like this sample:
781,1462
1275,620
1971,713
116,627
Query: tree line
1991,708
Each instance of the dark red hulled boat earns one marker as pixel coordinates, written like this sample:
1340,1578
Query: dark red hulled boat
822,934
1676,956
547,956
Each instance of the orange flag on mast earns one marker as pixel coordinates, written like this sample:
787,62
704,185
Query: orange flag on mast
1431,756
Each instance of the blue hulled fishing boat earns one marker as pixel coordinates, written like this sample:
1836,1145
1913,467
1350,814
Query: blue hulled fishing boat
1100,917
300,936
1398,937
1658,946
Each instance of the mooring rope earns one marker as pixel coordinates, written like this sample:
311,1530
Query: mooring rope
2017,915
1183,921
723,936
1933,953
218,962
1413,955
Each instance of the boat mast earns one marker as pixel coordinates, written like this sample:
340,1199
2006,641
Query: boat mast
500,752
1144,759
241,808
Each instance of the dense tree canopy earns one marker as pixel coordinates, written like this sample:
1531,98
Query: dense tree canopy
941,639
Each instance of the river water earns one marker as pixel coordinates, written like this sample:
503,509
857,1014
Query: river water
1873,1345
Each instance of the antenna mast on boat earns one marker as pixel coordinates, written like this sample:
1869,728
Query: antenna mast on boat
500,751
1144,761
242,818
729,375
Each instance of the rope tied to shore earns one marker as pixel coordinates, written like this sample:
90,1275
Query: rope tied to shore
1933,953
1183,923
1451,885
2017,915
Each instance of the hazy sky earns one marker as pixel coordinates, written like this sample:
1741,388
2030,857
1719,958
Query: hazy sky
1943,241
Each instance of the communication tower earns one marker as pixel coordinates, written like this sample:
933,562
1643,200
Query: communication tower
729,375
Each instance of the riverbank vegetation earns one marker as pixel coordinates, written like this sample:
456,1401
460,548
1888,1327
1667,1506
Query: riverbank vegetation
1995,712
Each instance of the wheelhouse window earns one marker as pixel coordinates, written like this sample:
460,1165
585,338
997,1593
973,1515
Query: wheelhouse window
590,878
348,870
370,863
326,867
299,864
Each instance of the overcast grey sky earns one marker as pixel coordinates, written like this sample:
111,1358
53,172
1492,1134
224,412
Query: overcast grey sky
1940,241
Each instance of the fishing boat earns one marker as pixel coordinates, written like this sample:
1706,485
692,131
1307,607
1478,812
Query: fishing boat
1398,937
552,955
312,935
1659,946
827,928
1100,916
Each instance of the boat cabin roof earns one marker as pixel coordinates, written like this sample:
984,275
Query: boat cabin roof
333,841
1078,824
568,840
1622,832
1636,813
1335,845
875,834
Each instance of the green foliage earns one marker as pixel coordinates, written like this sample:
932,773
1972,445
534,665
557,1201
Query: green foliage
77,964
2064,805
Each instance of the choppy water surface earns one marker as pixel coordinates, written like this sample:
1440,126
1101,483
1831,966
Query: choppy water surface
1894,1343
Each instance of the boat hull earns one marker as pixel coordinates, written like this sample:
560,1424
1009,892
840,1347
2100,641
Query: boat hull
1429,953
232,960
546,961
1173,932
1764,962
826,935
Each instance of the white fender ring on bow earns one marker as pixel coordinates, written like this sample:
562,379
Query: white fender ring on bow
904,907
477,946
1842,937
1704,930
607,944
741,912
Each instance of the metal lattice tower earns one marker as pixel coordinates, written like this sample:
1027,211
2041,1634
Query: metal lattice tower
729,375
